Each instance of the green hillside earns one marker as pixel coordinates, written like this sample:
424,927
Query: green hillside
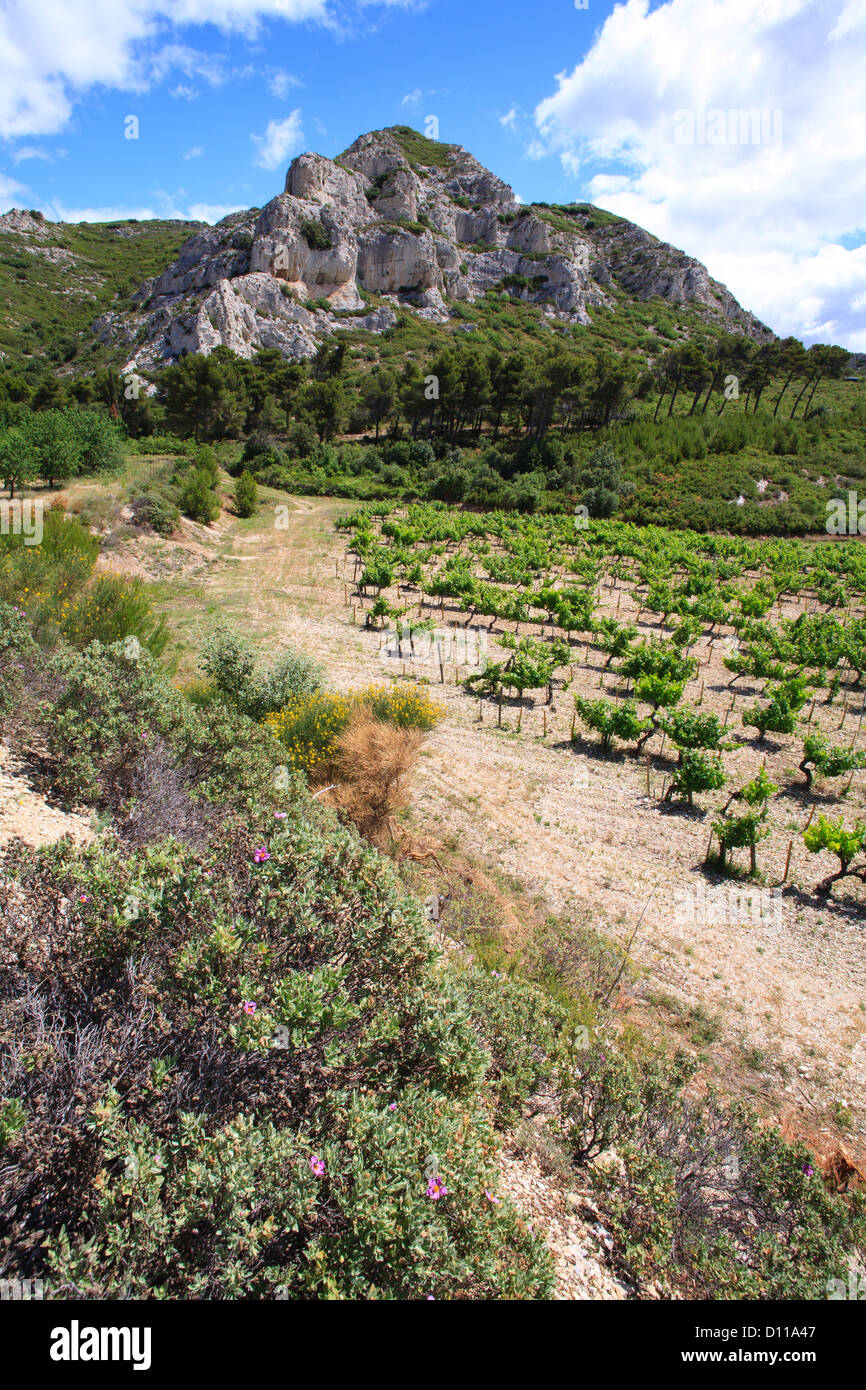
51,290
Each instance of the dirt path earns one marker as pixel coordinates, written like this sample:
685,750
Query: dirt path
770,990
26,815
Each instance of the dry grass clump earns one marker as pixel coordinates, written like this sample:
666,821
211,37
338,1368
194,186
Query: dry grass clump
371,771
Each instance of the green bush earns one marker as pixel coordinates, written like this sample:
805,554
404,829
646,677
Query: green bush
518,1025
289,1101
230,663
314,234
611,721
198,500
697,772
112,705
156,511
53,584
246,495
113,609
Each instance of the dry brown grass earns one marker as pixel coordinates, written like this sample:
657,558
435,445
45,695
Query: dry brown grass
371,772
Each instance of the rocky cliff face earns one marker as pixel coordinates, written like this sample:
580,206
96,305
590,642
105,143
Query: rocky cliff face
396,221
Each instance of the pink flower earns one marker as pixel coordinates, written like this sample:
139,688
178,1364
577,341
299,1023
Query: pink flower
280,815
249,1006
393,1105
84,898
261,855
436,1189
490,1197
317,1166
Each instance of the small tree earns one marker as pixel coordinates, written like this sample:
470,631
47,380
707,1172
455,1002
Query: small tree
820,760
246,495
697,772
615,638
832,836
198,500
689,728
745,831
17,464
611,721
780,715
659,692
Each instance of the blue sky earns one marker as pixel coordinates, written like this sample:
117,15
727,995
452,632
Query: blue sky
634,106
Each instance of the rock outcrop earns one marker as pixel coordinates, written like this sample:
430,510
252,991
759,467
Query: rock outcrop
397,220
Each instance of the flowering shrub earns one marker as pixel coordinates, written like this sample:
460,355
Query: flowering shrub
406,706
309,726
53,584
260,1105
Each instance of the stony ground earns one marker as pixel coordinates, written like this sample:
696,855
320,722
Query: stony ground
27,816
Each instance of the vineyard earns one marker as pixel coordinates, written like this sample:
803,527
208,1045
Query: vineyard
732,669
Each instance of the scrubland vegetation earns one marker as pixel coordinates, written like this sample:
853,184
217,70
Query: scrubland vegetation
236,1062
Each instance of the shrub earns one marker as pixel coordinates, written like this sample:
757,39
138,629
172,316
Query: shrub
112,704
745,831
823,761
780,715
155,511
230,663
314,234
246,495
115,608
279,1091
518,1025
689,728
697,772
611,721
52,584
708,1204
198,500
15,644
406,706
370,766
832,836
308,727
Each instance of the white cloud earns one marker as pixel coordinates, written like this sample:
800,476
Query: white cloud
536,150
59,212
10,190
211,212
195,153
280,83
31,152
53,51
196,212
412,98
171,57
281,140
185,92
509,118
773,220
